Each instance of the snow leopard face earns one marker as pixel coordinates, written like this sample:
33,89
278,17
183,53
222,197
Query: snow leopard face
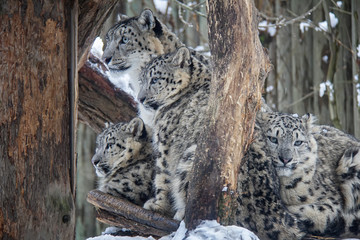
119,146
164,78
132,40
131,43
291,145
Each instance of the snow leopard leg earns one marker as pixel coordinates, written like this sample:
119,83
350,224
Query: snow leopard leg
162,182
321,218
180,183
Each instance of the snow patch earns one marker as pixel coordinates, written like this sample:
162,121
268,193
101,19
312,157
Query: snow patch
329,87
224,189
199,48
122,81
269,88
97,47
212,230
110,237
325,58
333,20
358,51
295,115
322,89
323,26
339,4
207,230
161,5
267,26
304,26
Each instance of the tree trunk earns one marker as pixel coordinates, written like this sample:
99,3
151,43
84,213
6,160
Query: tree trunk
355,39
36,166
240,67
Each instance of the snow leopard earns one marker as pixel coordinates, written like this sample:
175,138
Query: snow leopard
176,87
132,43
124,162
258,204
339,150
309,186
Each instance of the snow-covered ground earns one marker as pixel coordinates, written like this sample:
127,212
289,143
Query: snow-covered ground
207,230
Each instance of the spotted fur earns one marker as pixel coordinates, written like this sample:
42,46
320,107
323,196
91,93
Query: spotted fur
132,43
123,161
309,186
340,151
176,86
259,206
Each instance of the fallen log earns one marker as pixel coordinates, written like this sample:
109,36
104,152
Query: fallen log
118,212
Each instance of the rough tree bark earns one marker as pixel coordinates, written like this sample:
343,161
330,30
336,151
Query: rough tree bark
92,16
36,171
99,100
239,71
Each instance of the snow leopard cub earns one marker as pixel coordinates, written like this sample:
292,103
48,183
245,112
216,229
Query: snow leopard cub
309,186
176,86
123,161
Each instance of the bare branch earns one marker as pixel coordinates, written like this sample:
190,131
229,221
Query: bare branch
181,17
192,9
280,20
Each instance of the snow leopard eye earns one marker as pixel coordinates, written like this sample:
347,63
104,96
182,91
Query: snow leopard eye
298,143
273,139
154,80
109,145
124,39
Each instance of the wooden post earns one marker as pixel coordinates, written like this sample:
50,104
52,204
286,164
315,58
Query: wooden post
36,111
240,67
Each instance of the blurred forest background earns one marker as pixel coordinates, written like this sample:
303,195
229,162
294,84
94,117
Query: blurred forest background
314,47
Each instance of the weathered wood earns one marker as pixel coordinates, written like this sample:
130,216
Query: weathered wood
92,15
240,67
132,212
99,100
355,39
36,199
121,222
86,224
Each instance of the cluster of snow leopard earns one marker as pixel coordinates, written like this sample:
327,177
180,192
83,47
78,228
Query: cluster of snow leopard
287,188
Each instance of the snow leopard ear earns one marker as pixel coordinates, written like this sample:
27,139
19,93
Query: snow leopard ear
108,124
122,17
146,20
308,120
182,57
137,128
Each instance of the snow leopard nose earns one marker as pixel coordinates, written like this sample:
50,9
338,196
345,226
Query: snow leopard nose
142,99
107,60
285,160
95,161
